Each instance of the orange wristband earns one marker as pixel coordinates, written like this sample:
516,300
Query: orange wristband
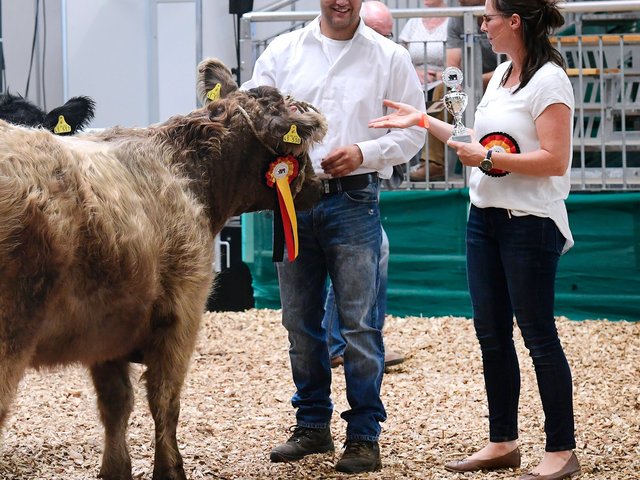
424,121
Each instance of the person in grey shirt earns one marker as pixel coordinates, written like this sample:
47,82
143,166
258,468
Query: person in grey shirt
455,43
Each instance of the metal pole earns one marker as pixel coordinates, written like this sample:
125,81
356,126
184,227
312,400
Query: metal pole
65,50
247,58
38,59
2,72
152,61
198,31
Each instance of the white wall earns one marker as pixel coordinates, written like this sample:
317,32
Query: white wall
18,18
109,54
107,58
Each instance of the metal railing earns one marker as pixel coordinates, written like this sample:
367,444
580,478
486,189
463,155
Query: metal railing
603,68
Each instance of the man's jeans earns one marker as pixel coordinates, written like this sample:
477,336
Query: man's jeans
511,269
340,236
331,320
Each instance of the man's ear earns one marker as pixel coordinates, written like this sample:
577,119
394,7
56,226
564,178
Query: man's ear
214,81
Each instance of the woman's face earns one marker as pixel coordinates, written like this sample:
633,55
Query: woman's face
497,27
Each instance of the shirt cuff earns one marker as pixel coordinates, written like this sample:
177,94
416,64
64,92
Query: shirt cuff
370,154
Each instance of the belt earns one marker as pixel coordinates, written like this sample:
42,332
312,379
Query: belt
350,182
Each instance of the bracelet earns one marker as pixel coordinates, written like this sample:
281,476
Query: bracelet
424,121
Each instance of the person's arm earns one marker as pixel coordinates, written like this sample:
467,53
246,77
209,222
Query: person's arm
454,57
408,116
486,76
396,146
453,54
553,127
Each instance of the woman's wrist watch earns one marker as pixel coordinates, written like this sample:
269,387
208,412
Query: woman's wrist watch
486,164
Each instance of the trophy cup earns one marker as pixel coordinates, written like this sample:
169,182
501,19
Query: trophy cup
456,102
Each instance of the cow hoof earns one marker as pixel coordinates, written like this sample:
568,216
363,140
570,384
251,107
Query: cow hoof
124,476
176,473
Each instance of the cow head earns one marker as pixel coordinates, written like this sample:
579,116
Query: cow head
281,124
67,119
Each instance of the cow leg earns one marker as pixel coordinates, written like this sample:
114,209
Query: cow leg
167,363
12,369
115,403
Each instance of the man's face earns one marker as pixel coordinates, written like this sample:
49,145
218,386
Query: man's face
339,18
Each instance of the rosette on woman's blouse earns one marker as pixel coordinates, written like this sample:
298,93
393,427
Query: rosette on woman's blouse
499,142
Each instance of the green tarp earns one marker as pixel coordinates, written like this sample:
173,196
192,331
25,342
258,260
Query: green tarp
598,278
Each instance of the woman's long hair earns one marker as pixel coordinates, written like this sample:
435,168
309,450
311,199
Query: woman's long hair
539,19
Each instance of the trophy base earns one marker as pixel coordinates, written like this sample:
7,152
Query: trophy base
466,138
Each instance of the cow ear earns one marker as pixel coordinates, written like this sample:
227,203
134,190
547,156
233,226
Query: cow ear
214,81
20,111
71,117
310,127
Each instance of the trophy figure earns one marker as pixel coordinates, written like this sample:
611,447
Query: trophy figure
456,102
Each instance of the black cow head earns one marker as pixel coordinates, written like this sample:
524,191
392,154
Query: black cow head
67,119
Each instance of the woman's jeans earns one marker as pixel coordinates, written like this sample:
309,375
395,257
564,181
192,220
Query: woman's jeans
511,269
340,237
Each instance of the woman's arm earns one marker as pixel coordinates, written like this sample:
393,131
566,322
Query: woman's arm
553,127
408,116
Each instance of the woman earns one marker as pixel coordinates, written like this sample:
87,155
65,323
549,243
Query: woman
517,228
425,37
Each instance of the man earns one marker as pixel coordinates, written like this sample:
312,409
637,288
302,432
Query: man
455,43
377,16
454,46
345,69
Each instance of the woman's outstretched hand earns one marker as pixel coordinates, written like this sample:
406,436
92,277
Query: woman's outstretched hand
405,116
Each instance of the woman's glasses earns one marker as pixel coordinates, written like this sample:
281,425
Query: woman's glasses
487,18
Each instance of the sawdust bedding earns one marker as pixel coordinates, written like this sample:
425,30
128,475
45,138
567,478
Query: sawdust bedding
236,406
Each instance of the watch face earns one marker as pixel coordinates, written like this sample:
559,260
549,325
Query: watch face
498,142
486,165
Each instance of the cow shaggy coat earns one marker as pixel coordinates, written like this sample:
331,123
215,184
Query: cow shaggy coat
106,245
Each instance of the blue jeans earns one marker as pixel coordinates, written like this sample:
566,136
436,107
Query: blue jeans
340,237
511,269
331,320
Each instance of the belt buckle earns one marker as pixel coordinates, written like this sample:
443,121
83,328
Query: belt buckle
326,186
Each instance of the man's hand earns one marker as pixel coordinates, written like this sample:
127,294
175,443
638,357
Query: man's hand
342,161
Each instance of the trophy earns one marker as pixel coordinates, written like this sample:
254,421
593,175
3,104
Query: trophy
456,102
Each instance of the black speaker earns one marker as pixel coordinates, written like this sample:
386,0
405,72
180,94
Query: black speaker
240,7
233,290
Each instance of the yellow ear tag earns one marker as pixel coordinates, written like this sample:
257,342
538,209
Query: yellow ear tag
214,93
62,126
292,136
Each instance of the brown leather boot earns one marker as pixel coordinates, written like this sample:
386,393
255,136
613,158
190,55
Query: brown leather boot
390,358
436,172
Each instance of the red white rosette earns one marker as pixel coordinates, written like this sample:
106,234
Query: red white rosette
499,142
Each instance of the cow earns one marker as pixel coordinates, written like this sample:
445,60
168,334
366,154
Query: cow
106,244
67,119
